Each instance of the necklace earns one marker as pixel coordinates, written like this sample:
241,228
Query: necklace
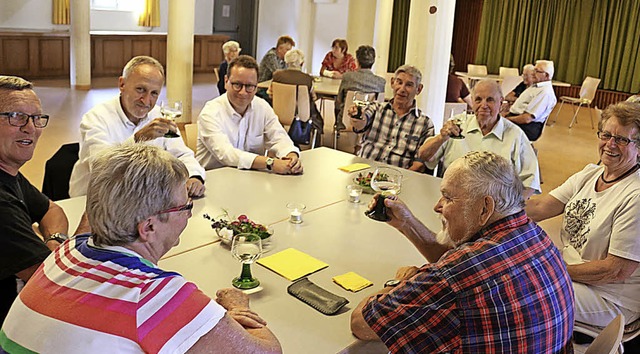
630,171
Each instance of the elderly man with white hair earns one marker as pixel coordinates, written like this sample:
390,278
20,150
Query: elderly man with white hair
528,72
231,50
494,281
532,108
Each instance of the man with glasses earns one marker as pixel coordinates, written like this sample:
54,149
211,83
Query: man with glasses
237,130
103,292
131,117
21,204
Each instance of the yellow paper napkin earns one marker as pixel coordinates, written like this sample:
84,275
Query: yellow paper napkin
352,281
292,264
354,167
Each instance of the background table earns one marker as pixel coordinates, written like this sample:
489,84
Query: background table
498,78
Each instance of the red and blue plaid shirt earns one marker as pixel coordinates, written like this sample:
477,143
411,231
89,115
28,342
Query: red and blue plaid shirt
506,292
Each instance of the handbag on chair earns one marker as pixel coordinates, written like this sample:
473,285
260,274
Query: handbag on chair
299,131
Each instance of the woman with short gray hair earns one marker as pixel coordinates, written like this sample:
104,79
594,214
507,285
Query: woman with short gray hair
231,50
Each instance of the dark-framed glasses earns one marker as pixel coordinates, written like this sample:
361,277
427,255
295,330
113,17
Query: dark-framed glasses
619,140
187,206
19,119
237,86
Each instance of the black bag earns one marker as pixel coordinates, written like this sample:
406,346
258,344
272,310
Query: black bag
299,131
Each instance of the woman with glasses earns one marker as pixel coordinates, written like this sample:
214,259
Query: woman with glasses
601,231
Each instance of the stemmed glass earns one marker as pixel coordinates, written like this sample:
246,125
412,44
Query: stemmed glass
171,110
457,122
361,100
386,181
246,248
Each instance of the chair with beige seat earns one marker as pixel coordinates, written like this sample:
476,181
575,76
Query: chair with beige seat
191,136
587,94
290,105
476,70
504,72
620,332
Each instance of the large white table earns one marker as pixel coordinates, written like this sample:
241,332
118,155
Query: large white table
334,231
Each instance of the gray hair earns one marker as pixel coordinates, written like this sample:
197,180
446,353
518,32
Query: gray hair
528,67
410,70
627,113
366,56
229,46
294,58
128,184
14,83
141,60
484,173
546,66
490,82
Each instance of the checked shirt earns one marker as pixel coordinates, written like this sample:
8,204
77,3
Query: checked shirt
506,292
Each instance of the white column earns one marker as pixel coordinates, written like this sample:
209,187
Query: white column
428,48
80,45
361,23
179,70
305,22
382,36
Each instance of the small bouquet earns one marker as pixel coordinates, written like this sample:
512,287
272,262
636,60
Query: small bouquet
226,229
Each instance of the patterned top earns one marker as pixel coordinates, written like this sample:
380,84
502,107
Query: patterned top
506,292
269,64
106,297
348,63
392,139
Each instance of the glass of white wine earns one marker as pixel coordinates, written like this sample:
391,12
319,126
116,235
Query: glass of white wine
361,100
387,181
171,110
246,248
457,121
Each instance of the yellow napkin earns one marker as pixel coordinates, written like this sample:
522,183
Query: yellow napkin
292,264
354,167
352,281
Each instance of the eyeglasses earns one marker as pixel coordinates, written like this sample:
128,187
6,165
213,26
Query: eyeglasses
237,86
187,206
19,119
619,140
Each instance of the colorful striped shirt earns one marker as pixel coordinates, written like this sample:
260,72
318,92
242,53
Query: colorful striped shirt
506,292
89,299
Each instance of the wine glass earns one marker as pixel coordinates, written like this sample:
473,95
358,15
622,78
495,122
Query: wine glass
457,121
171,110
246,248
361,100
386,181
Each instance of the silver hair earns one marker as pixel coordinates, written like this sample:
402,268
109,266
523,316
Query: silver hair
484,173
490,82
14,83
230,45
294,58
546,66
410,70
528,67
141,60
128,184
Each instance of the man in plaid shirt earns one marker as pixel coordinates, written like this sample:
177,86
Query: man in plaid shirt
495,282
396,129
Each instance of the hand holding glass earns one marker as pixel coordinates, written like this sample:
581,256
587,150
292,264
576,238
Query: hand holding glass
386,181
246,248
361,100
457,122
171,110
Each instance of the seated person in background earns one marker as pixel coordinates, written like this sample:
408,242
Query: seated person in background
457,90
105,290
528,77
485,130
231,50
363,80
293,75
395,130
532,108
337,61
236,130
600,230
272,61
21,204
494,281
132,117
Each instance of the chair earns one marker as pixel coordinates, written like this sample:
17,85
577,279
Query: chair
627,333
191,136
476,70
509,83
348,103
607,340
587,93
504,72
57,171
284,104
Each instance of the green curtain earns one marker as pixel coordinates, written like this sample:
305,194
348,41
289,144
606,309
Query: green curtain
398,40
599,38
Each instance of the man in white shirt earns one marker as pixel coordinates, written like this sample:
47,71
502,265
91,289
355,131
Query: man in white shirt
130,118
532,108
236,130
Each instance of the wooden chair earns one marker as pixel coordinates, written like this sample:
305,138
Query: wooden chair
504,72
587,93
285,103
348,103
191,136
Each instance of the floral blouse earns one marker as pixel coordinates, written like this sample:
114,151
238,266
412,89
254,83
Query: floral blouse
348,63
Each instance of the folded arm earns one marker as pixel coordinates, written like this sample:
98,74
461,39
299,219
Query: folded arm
604,271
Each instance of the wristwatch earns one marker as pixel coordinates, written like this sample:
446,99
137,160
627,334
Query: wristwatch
269,163
391,283
59,237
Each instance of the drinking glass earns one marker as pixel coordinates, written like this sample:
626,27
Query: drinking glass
246,248
361,100
171,110
457,122
386,181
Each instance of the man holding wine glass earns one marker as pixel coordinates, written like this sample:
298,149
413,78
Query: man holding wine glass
133,117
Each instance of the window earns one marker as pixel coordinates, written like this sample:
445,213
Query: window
117,5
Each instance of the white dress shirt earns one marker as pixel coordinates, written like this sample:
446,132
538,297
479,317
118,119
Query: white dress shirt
225,138
505,139
537,100
107,125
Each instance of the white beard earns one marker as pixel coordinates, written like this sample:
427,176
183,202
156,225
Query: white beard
444,238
